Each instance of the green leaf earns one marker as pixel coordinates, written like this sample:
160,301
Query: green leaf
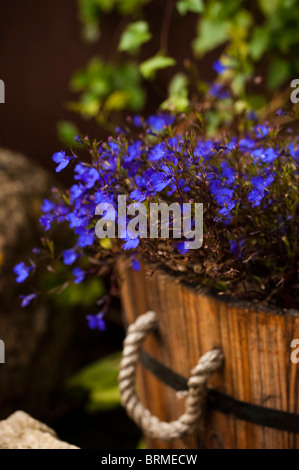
178,94
134,36
118,100
66,132
85,294
195,6
259,42
150,66
100,380
211,33
256,101
269,7
278,72
128,7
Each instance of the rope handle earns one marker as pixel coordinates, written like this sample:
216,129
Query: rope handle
197,385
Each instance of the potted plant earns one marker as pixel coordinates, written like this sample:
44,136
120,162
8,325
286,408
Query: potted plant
219,268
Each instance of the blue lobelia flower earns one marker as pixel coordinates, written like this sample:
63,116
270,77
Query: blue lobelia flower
260,184
27,299
79,275
76,220
157,180
235,247
157,152
262,130
181,248
130,242
204,149
246,144
70,256
134,151
137,121
218,91
136,265
219,67
256,195
228,172
159,122
61,159
223,197
22,271
174,144
47,206
264,155
78,139
137,195
96,322
46,221
294,153
76,191
85,238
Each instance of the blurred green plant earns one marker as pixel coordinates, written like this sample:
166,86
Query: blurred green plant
257,40
71,295
105,88
99,380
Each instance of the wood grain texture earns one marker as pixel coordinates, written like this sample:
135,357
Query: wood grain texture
256,346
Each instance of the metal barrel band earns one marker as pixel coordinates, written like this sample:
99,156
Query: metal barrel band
219,401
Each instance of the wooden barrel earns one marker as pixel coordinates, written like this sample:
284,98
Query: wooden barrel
253,401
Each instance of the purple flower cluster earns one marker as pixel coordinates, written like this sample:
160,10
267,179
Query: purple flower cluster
247,184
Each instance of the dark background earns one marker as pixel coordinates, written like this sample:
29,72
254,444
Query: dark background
41,47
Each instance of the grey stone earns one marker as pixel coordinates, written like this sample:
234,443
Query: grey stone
21,431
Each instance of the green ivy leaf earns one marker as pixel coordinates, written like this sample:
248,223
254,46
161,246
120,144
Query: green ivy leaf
195,6
259,42
150,66
134,36
278,72
178,94
269,7
118,100
211,33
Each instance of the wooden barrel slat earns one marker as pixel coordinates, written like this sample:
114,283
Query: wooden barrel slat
256,346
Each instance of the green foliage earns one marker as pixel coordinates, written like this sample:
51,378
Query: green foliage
149,67
260,35
91,11
211,33
259,43
177,100
73,295
278,73
106,87
194,6
66,132
85,294
100,380
134,36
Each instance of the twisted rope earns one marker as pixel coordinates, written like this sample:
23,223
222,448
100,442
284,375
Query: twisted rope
197,385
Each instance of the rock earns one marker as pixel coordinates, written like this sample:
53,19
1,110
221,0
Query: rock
22,187
21,431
